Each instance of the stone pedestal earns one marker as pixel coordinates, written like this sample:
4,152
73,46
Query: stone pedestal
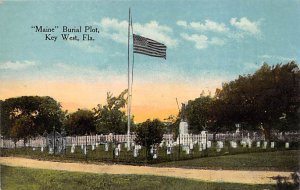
183,128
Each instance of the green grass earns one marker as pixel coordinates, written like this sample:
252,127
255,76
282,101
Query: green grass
280,161
99,155
16,178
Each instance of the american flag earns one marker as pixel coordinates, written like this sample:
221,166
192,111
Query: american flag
149,47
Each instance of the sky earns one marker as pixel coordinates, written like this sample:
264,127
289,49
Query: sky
209,42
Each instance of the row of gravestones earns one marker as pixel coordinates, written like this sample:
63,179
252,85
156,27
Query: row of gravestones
187,149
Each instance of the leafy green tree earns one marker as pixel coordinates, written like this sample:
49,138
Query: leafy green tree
26,116
267,98
110,118
199,113
150,133
80,122
172,125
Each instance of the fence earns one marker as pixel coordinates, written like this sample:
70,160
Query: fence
183,139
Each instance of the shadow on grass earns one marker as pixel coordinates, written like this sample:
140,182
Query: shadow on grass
288,183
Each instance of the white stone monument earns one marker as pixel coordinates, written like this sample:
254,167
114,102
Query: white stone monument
258,144
265,145
187,150
50,150
287,145
72,149
272,145
116,152
183,125
85,150
135,152
106,147
208,145
200,147
220,145
168,150
233,144
191,146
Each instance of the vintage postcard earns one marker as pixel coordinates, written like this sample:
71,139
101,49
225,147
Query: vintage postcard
148,94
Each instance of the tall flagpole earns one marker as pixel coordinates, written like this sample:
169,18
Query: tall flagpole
128,101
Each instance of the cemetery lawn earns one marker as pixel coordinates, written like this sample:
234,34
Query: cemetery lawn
275,161
25,178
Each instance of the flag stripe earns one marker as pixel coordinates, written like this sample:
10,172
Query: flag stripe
149,47
137,50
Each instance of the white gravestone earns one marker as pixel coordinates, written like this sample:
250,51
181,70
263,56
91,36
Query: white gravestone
73,148
233,144
116,152
135,152
258,144
219,146
82,147
161,144
119,147
97,144
84,150
42,149
265,144
168,150
272,144
187,150
208,144
93,147
33,148
287,145
244,144
50,150
249,143
200,147
191,146
154,153
106,147
151,150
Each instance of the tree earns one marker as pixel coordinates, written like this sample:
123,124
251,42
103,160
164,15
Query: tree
80,123
150,133
172,125
110,117
26,116
267,98
198,113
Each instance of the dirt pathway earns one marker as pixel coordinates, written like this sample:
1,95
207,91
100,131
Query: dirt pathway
233,176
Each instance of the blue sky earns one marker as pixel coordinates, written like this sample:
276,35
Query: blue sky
209,42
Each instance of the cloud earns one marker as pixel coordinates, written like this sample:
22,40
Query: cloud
202,41
276,57
219,33
117,31
16,65
246,25
208,25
